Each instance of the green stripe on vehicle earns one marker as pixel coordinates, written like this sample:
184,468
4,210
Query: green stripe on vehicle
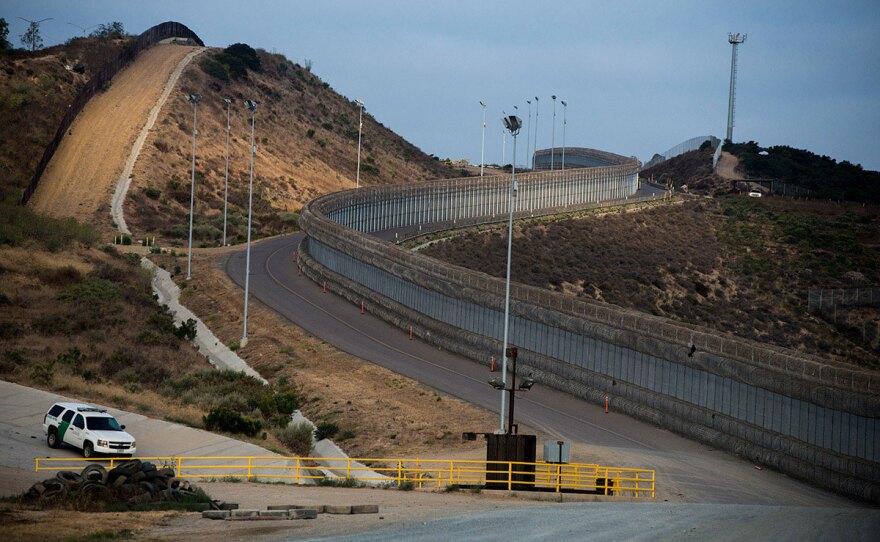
62,428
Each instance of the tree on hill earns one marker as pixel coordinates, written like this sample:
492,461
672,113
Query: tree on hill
113,29
4,33
31,37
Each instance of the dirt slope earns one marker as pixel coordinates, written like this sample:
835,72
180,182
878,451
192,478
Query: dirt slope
727,165
81,177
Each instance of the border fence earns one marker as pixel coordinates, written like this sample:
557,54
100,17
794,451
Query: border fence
148,38
691,144
807,416
818,300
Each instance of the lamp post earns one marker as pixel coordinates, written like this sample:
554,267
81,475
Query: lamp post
564,122
360,104
226,190
500,385
529,134
193,99
513,124
516,112
553,135
483,144
252,107
536,129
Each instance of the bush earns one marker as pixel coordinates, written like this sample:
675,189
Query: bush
326,430
215,69
21,226
152,193
223,419
246,54
91,291
186,330
297,437
310,133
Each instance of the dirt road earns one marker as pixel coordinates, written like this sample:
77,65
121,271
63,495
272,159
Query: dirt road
82,175
727,165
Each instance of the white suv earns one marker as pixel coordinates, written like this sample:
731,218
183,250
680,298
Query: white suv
88,428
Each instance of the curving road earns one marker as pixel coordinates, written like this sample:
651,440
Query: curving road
685,469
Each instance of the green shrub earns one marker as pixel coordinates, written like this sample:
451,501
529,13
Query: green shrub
152,193
21,226
297,437
186,330
223,419
310,133
93,290
215,69
326,430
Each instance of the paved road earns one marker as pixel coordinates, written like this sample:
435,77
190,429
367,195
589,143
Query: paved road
690,470
626,521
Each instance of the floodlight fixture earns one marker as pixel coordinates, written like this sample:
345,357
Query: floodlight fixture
194,98
496,383
513,124
227,101
251,105
527,384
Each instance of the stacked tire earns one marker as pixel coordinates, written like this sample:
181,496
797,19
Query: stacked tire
132,482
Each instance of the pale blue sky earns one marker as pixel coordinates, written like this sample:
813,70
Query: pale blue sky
639,76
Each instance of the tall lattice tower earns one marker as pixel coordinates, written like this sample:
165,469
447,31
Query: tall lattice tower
734,38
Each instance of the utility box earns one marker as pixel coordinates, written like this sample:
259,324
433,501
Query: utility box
503,448
556,451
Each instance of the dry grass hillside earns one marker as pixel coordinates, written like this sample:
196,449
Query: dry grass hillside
306,145
693,169
35,89
733,263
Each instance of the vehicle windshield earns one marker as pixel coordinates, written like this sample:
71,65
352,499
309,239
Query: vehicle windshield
102,423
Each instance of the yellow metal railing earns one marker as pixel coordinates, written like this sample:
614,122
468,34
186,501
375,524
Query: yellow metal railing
419,473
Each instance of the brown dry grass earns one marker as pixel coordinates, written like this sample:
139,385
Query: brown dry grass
22,525
732,264
82,175
290,166
389,415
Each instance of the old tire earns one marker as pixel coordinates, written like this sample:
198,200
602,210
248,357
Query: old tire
88,449
52,438
94,473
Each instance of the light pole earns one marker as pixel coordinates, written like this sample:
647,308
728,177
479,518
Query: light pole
226,191
516,112
529,134
525,385
536,129
360,129
483,144
564,122
513,124
553,135
252,107
735,39
193,99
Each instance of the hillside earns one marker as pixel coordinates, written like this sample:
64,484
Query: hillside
35,89
306,145
693,169
825,176
736,264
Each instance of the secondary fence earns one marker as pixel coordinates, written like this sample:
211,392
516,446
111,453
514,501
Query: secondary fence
818,300
691,144
398,472
149,37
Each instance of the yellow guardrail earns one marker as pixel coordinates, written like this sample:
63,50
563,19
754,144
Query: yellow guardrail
419,473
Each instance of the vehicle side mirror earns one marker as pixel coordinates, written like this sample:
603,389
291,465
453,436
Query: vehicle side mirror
122,427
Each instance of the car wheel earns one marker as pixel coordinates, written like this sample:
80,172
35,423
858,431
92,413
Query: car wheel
52,438
88,450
